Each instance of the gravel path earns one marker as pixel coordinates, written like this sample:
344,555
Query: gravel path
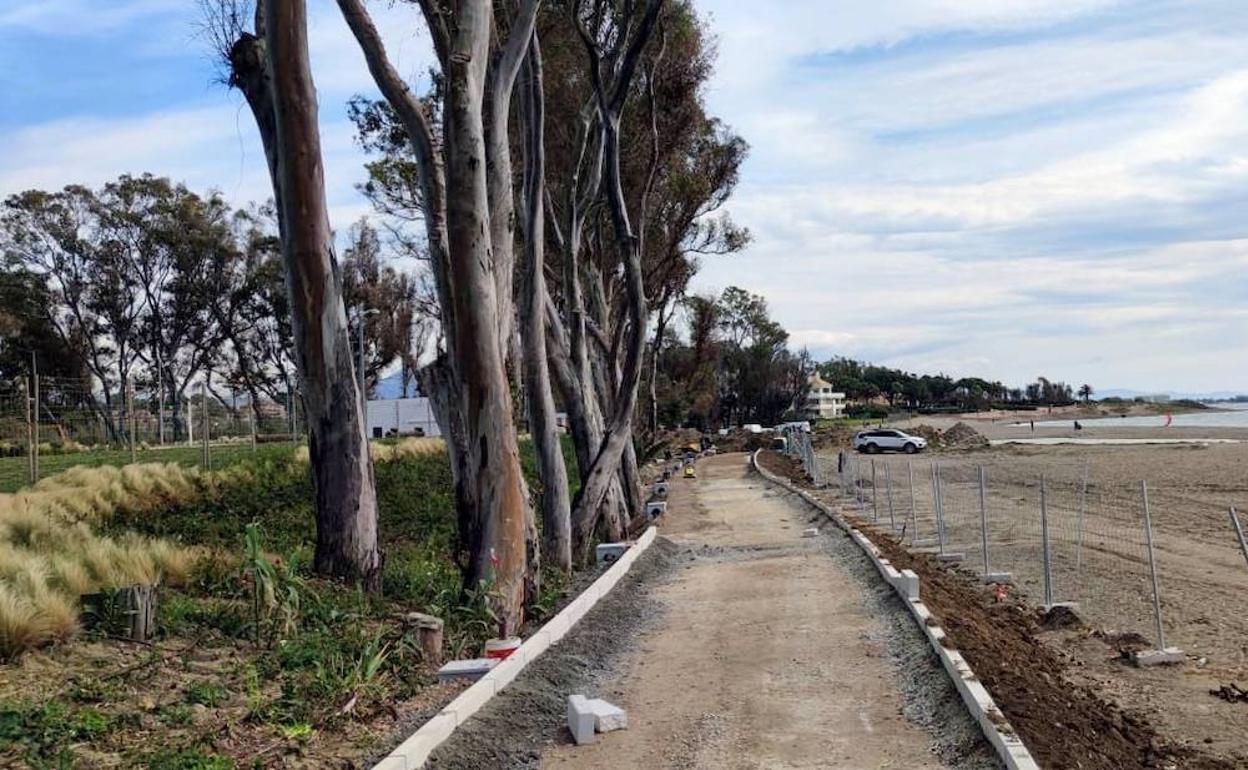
737,643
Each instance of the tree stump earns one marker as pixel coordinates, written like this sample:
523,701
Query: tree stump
128,612
139,604
429,634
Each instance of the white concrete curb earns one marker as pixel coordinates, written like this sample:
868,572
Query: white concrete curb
979,703
412,753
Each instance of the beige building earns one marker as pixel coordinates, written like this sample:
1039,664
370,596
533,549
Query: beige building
822,403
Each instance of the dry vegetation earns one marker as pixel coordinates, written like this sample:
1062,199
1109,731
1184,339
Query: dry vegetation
52,551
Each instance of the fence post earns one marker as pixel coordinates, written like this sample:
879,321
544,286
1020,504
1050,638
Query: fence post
1239,533
1152,566
888,484
914,512
1044,545
875,499
1083,505
251,422
30,433
939,507
131,423
160,408
203,395
983,520
34,408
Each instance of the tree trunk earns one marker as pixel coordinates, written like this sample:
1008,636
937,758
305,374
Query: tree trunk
493,454
342,470
556,503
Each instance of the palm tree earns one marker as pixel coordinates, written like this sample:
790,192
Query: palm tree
1085,392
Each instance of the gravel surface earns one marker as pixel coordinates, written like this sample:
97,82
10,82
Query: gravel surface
514,727
929,699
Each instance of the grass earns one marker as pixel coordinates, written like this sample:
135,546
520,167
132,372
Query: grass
13,470
279,655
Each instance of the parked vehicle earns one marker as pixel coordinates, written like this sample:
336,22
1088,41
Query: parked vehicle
800,426
888,439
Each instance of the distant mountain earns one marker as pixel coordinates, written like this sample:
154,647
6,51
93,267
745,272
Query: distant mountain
1215,395
392,387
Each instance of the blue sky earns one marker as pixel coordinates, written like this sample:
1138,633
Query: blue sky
998,187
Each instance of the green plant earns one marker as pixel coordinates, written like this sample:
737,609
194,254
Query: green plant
257,705
274,590
469,617
301,731
44,731
178,714
187,759
206,693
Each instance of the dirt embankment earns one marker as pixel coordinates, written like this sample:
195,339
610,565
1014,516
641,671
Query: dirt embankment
1064,724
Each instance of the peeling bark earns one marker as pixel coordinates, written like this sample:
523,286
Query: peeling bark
274,73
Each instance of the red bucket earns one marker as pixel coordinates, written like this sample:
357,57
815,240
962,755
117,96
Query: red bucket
501,649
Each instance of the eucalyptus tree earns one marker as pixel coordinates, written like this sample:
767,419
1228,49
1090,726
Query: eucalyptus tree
270,65
466,198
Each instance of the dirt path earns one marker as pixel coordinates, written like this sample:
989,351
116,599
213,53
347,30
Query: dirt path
767,654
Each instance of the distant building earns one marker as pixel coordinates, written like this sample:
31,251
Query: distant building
822,403
1157,398
401,417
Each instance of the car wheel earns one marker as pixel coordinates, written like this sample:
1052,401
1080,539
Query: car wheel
911,447
872,449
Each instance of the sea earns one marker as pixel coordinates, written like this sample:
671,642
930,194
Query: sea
1218,416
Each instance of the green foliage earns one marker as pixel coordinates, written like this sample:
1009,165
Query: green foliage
104,613
469,617
178,715
192,758
43,732
206,693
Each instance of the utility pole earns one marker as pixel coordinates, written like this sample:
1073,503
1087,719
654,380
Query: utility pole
160,399
203,395
34,444
130,421
30,433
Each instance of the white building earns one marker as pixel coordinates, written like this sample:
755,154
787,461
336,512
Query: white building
401,416
821,402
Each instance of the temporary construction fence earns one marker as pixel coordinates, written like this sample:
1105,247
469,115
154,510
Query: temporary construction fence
1062,538
49,423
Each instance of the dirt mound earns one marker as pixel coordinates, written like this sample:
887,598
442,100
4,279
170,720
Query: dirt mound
934,437
1059,617
963,436
836,437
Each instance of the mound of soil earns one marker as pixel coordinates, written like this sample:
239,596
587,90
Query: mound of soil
836,437
1059,618
963,436
935,438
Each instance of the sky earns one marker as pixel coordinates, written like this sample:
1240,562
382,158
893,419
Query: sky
999,188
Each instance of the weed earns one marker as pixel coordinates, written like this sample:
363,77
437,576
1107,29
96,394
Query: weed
208,694
187,759
43,731
178,714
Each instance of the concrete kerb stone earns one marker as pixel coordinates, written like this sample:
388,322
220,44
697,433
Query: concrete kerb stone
412,753
979,703
417,748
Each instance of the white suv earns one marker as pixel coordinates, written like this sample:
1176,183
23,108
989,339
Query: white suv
873,441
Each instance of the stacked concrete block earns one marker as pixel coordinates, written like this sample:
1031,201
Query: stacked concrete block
580,719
